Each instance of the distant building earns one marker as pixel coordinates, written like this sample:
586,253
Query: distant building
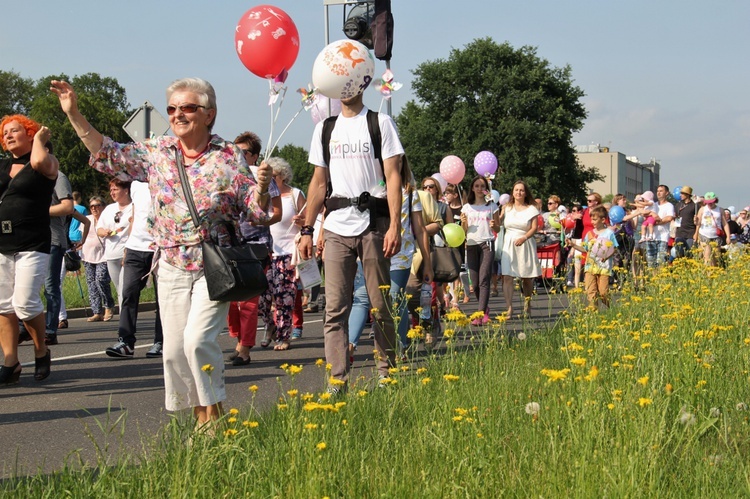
621,174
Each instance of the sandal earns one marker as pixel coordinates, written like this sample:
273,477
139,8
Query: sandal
42,366
282,345
268,337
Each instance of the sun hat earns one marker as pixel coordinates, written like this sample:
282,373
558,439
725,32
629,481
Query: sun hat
648,196
709,198
686,189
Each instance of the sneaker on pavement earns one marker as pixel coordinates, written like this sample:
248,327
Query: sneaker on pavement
297,333
120,350
154,351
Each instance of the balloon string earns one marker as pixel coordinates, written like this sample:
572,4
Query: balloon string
285,129
274,118
382,100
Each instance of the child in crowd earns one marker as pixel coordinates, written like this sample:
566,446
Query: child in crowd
646,202
600,245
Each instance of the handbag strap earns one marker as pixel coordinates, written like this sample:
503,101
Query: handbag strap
186,189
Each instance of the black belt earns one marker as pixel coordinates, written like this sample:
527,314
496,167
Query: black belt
378,206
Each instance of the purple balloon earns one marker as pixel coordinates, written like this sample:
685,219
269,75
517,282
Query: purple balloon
485,163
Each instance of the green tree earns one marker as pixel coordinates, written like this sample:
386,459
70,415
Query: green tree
297,156
493,97
104,103
15,93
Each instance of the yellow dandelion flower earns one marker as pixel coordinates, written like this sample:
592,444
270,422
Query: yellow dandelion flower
578,361
643,401
645,345
232,420
311,426
208,368
295,369
292,393
230,432
668,389
374,310
457,418
610,406
450,377
281,407
253,388
362,393
421,370
479,435
321,446
449,333
344,422
284,366
461,411
234,411
384,287
392,370
329,366
250,424
701,383
617,394
404,368
307,397
643,380
424,381
555,374
320,362
593,373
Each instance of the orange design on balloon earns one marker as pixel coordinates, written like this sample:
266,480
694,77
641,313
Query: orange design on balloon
346,51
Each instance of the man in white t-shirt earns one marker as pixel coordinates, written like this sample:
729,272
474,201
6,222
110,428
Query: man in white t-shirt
352,231
139,256
656,250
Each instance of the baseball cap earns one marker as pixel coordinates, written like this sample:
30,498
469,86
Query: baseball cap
710,197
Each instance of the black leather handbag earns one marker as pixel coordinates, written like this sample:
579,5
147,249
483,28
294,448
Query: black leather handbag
446,262
233,272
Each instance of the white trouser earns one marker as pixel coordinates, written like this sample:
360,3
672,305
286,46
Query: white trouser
21,279
191,324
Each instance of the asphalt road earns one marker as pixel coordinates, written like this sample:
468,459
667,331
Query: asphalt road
93,406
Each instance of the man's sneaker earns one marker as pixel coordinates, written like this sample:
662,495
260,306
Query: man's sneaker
154,351
50,339
297,333
121,350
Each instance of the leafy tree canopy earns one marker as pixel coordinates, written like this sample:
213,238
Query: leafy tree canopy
493,97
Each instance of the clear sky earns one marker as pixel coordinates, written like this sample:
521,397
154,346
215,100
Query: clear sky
665,79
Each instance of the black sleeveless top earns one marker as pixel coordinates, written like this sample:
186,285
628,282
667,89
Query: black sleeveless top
24,210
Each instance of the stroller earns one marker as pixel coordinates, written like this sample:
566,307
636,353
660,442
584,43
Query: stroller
553,271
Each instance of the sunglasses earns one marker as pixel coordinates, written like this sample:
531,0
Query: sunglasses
550,202
92,206
118,216
185,108
428,186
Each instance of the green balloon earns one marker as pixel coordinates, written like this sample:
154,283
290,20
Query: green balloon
554,221
454,235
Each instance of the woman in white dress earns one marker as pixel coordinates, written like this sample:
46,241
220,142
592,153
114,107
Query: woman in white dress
519,258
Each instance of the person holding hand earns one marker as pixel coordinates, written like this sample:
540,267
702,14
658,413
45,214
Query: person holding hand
223,187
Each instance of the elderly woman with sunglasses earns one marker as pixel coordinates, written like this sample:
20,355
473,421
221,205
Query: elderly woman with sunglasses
113,227
223,187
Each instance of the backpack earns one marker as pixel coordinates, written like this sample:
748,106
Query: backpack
373,126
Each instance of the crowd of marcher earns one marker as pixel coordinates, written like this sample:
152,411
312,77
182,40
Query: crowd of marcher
371,227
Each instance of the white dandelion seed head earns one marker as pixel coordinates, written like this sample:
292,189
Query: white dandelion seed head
687,418
521,336
741,406
715,412
532,408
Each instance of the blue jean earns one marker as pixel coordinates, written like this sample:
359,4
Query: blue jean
360,306
682,246
52,291
399,279
656,253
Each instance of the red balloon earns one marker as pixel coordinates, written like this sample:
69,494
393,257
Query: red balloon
266,40
570,223
540,222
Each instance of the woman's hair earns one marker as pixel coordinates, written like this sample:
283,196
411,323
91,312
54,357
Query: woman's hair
618,198
528,198
281,168
204,90
554,198
452,189
122,184
438,193
28,124
407,176
597,196
98,199
251,139
471,199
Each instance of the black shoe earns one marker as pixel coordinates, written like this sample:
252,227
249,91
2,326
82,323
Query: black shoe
10,375
155,350
50,339
42,366
239,361
24,336
120,350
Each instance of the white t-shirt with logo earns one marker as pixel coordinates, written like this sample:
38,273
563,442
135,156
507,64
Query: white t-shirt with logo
354,169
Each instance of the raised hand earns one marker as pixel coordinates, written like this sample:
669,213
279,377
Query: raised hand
66,95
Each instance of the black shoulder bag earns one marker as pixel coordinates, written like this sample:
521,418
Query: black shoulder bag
233,273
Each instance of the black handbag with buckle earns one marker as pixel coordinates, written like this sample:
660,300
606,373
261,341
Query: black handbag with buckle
446,262
233,271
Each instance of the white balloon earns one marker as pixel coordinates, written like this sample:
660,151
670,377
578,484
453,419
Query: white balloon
443,183
495,196
343,69
731,209
320,109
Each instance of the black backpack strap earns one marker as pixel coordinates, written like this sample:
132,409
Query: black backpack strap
373,126
328,126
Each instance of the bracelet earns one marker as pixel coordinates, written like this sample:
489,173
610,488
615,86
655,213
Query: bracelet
87,132
307,230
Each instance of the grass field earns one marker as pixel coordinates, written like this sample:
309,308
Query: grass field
649,398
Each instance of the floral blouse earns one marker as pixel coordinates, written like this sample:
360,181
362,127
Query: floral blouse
222,184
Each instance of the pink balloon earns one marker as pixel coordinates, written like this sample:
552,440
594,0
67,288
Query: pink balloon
319,110
504,198
452,169
485,163
440,180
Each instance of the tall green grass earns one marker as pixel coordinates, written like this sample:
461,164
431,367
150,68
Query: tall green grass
76,292
649,398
